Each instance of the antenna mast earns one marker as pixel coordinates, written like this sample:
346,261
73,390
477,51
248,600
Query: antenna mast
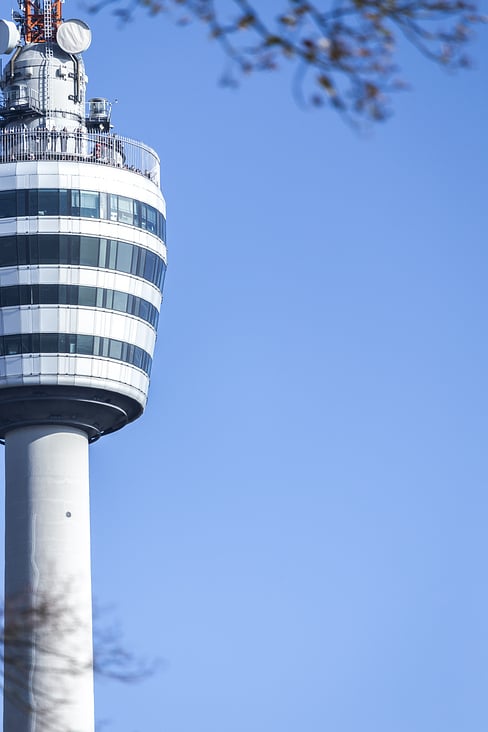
41,20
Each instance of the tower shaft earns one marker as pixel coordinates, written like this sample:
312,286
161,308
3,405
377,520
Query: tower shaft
49,676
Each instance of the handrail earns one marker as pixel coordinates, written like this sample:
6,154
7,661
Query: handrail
41,143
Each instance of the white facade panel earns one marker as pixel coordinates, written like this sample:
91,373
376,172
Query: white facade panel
88,276
9,226
85,176
73,319
9,276
49,368
27,324
104,228
47,318
12,320
88,227
75,370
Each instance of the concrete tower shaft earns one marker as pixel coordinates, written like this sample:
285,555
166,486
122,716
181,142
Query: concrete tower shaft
48,684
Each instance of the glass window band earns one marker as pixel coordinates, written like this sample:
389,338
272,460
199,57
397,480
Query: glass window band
82,295
87,204
75,344
87,251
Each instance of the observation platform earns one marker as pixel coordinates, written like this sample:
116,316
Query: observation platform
101,148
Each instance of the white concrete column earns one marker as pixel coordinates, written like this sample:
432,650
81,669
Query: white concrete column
48,666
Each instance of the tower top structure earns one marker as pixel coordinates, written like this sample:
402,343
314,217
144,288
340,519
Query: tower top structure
81,213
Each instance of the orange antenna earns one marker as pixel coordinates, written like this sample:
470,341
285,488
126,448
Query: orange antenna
41,21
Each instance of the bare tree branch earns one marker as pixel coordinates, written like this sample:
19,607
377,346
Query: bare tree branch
344,51
40,661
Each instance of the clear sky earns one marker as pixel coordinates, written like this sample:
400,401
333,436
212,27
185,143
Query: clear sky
297,525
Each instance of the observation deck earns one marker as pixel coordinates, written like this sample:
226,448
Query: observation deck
101,148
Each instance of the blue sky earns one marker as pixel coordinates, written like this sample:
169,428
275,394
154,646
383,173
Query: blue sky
297,525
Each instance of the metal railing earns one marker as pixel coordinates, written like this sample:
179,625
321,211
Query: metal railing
40,143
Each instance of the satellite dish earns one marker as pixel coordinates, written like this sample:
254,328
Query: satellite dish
73,36
9,36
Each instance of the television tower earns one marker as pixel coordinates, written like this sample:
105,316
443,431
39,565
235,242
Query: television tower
82,263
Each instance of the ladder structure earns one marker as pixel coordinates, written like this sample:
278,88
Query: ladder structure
48,38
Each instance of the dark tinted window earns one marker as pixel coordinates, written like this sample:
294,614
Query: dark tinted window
87,296
7,204
49,248
89,251
48,202
8,251
84,344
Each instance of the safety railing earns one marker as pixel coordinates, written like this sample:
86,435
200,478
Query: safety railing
42,143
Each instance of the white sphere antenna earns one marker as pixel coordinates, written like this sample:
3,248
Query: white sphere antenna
9,36
73,36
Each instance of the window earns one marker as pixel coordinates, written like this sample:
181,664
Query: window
33,251
124,257
115,349
113,209
26,342
126,211
9,296
137,358
48,294
120,301
143,309
103,206
87,296
89,206
75,203
8,251
64,250
84,344
48,342
111,254
48,202
49,249
150,266
63,202
7,204
89,251
102,255
12,344
151,219
71,337
21,200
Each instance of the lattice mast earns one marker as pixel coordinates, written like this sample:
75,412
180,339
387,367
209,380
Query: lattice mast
40,20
